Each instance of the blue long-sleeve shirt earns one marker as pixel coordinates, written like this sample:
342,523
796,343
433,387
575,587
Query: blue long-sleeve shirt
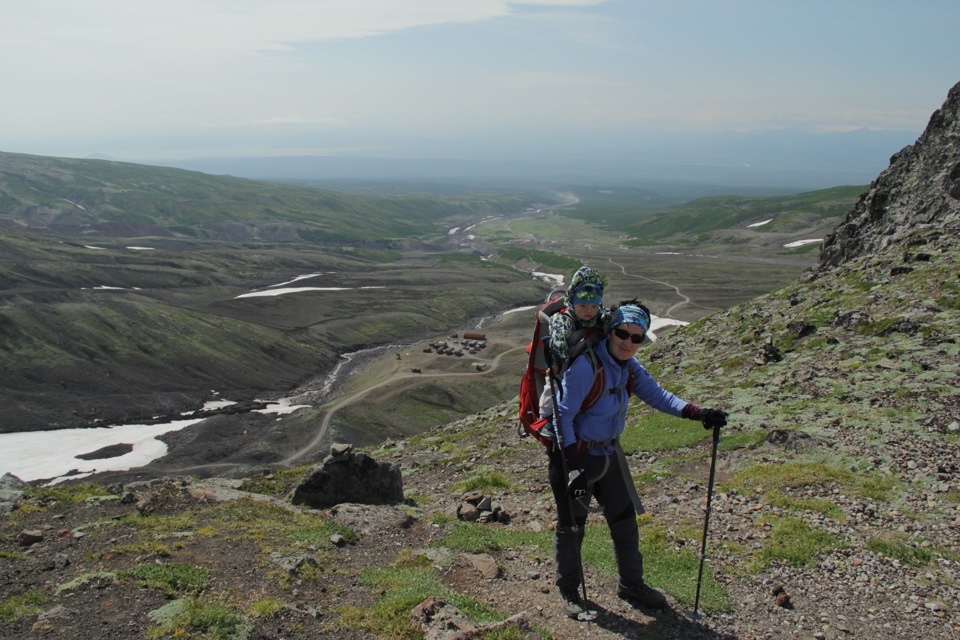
605,419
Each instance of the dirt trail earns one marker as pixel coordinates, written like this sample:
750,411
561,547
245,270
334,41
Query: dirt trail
684,299
345,400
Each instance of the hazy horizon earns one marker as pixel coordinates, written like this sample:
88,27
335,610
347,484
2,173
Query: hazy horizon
579,86
780,160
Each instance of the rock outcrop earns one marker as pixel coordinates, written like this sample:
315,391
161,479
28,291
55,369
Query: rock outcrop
917,195
347,476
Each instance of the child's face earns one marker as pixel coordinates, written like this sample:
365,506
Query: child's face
586,312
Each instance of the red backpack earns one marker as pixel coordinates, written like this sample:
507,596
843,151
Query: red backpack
534,378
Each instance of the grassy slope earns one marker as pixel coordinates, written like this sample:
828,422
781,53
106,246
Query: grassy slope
97,197
168,325
173,330
706,215
650,222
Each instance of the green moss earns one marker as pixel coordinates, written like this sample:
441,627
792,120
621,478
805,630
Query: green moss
484,482
656,431
877,487
266,607
477,538
949,301
25,605
742,440
670,562
789,474
402,589
319,536
278,483
875,327
900,547
85,579
794,542
816,505
170,577
66,493
201,617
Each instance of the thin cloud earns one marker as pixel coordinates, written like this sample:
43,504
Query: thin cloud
106,76
277,121
258,26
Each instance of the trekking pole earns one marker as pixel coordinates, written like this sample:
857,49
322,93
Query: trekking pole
586,615
706,517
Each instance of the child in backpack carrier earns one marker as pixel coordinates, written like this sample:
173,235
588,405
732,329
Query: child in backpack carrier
584,312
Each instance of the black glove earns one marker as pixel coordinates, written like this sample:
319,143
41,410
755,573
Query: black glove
713,418
577,483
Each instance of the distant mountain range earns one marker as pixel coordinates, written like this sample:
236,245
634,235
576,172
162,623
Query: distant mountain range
788,159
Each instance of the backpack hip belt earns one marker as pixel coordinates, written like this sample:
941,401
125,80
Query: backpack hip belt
597,444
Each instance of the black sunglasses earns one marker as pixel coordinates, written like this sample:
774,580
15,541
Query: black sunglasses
623,334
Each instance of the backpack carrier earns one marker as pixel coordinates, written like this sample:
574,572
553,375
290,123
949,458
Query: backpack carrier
534,379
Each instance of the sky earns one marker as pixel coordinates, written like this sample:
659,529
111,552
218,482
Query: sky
148,81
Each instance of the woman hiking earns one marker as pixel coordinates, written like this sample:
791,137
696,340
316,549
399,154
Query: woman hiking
591,463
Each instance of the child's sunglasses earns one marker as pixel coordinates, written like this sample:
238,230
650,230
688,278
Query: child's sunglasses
623,334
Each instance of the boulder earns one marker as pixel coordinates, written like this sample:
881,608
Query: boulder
346,476
768,353
790,440
12,489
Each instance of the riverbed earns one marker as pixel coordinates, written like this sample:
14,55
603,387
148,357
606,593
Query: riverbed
53,456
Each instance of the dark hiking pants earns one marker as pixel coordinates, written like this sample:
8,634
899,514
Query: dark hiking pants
606,483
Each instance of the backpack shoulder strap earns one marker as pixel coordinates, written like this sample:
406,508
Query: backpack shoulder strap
600,381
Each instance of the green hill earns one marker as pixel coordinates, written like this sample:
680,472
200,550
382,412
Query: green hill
716,213
99,198
119,284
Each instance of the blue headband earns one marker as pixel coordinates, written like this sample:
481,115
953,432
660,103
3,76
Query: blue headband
629,314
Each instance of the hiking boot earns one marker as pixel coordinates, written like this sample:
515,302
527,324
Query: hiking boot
571,603
643,595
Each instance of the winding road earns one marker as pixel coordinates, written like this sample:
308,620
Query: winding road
684,299
343,401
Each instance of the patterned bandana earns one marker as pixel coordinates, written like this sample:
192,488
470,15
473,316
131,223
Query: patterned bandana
629,314
586,287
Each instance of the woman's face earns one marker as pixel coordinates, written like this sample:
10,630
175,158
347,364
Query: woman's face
621,341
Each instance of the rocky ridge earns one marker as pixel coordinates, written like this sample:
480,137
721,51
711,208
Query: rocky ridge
917,193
